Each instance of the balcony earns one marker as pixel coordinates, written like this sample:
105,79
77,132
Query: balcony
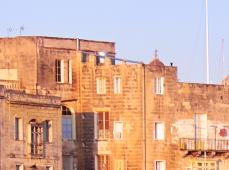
11,84
102,142
103,134
191,144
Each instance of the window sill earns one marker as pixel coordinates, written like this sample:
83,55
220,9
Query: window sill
159,139
60,83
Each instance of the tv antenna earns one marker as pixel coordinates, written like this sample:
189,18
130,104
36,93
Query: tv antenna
9,30
21,29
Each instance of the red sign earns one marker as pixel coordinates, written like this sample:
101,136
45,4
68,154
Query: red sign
223,132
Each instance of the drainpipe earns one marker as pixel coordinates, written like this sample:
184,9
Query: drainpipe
144,117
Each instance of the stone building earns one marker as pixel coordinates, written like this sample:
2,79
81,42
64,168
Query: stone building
30,133
119,114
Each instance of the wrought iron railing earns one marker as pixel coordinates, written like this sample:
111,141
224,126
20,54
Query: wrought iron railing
103,133
192,144
11,84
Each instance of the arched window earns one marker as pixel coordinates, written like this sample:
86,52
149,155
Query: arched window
66,123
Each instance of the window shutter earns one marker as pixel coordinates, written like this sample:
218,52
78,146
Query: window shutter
62,71
20,129
21,167
70,71
29,138
162,85
45,130
50,131
73,126
95,125
97,86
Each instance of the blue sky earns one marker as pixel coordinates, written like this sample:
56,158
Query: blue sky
175,28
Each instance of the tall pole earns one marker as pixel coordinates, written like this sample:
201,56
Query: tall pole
206,36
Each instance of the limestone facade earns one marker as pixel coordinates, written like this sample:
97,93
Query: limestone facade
124,115
30,131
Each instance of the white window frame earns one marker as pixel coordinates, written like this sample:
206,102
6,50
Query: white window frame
117,132
18,136
159,85
100,85
156,137
155,164
117,84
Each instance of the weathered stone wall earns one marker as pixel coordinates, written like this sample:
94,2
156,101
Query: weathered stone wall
28,107
125,107
18,59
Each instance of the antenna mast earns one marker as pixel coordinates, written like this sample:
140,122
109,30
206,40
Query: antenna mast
222,60
206,36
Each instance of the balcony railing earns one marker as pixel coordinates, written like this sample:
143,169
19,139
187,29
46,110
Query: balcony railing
11,84
191,144
103,133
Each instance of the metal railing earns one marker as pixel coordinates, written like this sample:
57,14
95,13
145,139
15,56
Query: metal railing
11,84
103,133
192,144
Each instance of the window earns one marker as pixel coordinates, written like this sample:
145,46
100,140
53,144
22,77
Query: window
118,130
100,86
59,64
103,125
47,131
18,129
66,123
117,85
70,71
202,165
159,85
49,168
85,57
119,164
100,58
200,121
103,162
159,131
37,144
19,167
160,165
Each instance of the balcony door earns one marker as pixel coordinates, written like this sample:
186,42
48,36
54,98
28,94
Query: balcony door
103,162
200,130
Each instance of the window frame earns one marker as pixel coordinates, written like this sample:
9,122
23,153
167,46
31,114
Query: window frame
102,126
155,164
59,70
48,131
155,130
84,57
114,133
19,167
68,126
158,85
117,85
100,85
67,115
18,128
70,71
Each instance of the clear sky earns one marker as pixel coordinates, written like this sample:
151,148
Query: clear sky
174,27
